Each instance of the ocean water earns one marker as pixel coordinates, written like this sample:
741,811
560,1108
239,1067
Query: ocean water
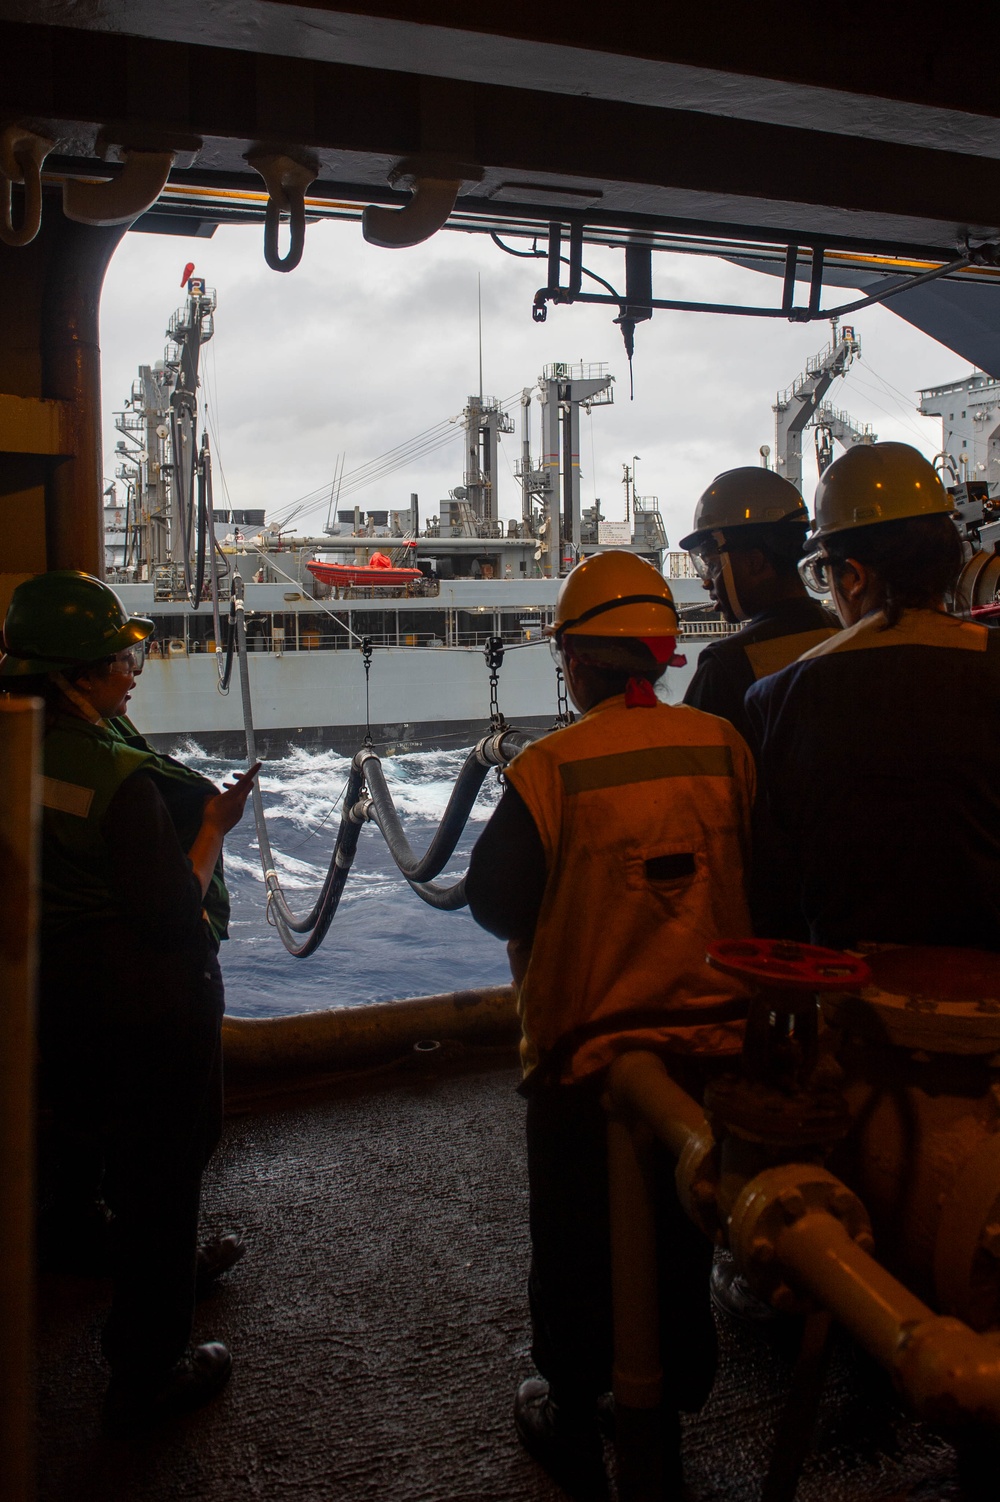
384,942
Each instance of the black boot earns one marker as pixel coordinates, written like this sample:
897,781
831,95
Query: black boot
139,1400
563,1438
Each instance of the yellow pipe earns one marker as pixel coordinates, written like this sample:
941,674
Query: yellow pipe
946,1370
20,739
352,1037
802,1220
637,1376
639,1082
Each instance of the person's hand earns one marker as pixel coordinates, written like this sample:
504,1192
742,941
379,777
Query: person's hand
225,810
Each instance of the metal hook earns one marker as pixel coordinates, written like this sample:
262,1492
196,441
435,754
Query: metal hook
435,184
122,199
286,179
22,153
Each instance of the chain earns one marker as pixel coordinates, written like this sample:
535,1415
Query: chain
366,657
564,715
493,652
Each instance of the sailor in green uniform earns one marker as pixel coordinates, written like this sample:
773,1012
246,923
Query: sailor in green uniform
133,908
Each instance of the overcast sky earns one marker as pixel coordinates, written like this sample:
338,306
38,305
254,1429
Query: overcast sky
361,349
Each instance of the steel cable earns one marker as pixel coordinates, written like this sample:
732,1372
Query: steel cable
317,921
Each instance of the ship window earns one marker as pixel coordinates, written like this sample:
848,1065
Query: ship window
319,632
421,628
474,628
169,626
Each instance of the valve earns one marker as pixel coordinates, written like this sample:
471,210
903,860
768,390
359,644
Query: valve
789,966
782,1099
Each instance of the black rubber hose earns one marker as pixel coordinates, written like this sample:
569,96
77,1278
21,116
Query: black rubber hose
226,672
493,750
424,868
227,668
333,886
445,899
201,536
315,924
183,507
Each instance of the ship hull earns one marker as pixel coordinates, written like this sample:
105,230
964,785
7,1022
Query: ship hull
419,699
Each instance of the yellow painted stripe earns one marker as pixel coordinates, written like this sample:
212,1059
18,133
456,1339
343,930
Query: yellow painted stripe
647,765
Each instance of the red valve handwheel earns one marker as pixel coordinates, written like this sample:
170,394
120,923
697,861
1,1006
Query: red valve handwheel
793,967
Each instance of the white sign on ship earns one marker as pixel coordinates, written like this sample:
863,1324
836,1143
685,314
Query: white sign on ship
614,534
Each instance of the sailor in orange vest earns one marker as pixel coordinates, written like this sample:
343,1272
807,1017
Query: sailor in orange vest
615,855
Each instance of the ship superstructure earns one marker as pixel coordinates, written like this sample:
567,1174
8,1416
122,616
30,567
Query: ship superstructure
969,410
463,580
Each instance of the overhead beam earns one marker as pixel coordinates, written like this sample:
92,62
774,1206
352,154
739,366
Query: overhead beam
745,61
660,162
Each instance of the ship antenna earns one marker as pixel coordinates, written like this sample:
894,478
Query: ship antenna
479,279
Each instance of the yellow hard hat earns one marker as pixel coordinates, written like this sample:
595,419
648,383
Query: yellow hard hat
745,497
878,482
615,594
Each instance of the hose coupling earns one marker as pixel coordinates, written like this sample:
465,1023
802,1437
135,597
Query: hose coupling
362,812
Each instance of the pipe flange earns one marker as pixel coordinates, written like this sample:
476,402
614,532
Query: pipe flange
776,1199
697,1178
925,999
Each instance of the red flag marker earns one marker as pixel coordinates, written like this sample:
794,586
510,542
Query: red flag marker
187,272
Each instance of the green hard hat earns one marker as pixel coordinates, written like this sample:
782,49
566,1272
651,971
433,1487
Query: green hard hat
62,618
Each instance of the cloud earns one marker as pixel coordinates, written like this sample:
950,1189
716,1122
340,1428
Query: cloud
361,349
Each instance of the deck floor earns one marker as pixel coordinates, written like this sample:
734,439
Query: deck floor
379,1328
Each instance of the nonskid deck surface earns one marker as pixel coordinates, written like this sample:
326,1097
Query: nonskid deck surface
379,1328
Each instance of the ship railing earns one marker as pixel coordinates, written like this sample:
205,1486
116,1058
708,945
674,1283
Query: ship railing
696,627
312,640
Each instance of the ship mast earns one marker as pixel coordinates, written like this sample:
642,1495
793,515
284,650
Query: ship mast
158,455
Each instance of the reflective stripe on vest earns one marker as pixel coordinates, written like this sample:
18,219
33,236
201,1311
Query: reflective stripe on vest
66,797
646,765
767,657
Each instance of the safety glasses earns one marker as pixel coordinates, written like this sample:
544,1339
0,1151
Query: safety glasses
707,563
131,660
814,571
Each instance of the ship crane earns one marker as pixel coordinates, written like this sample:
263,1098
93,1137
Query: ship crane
799,406
831,424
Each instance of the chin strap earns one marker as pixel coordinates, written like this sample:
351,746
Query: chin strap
77,699
728,580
